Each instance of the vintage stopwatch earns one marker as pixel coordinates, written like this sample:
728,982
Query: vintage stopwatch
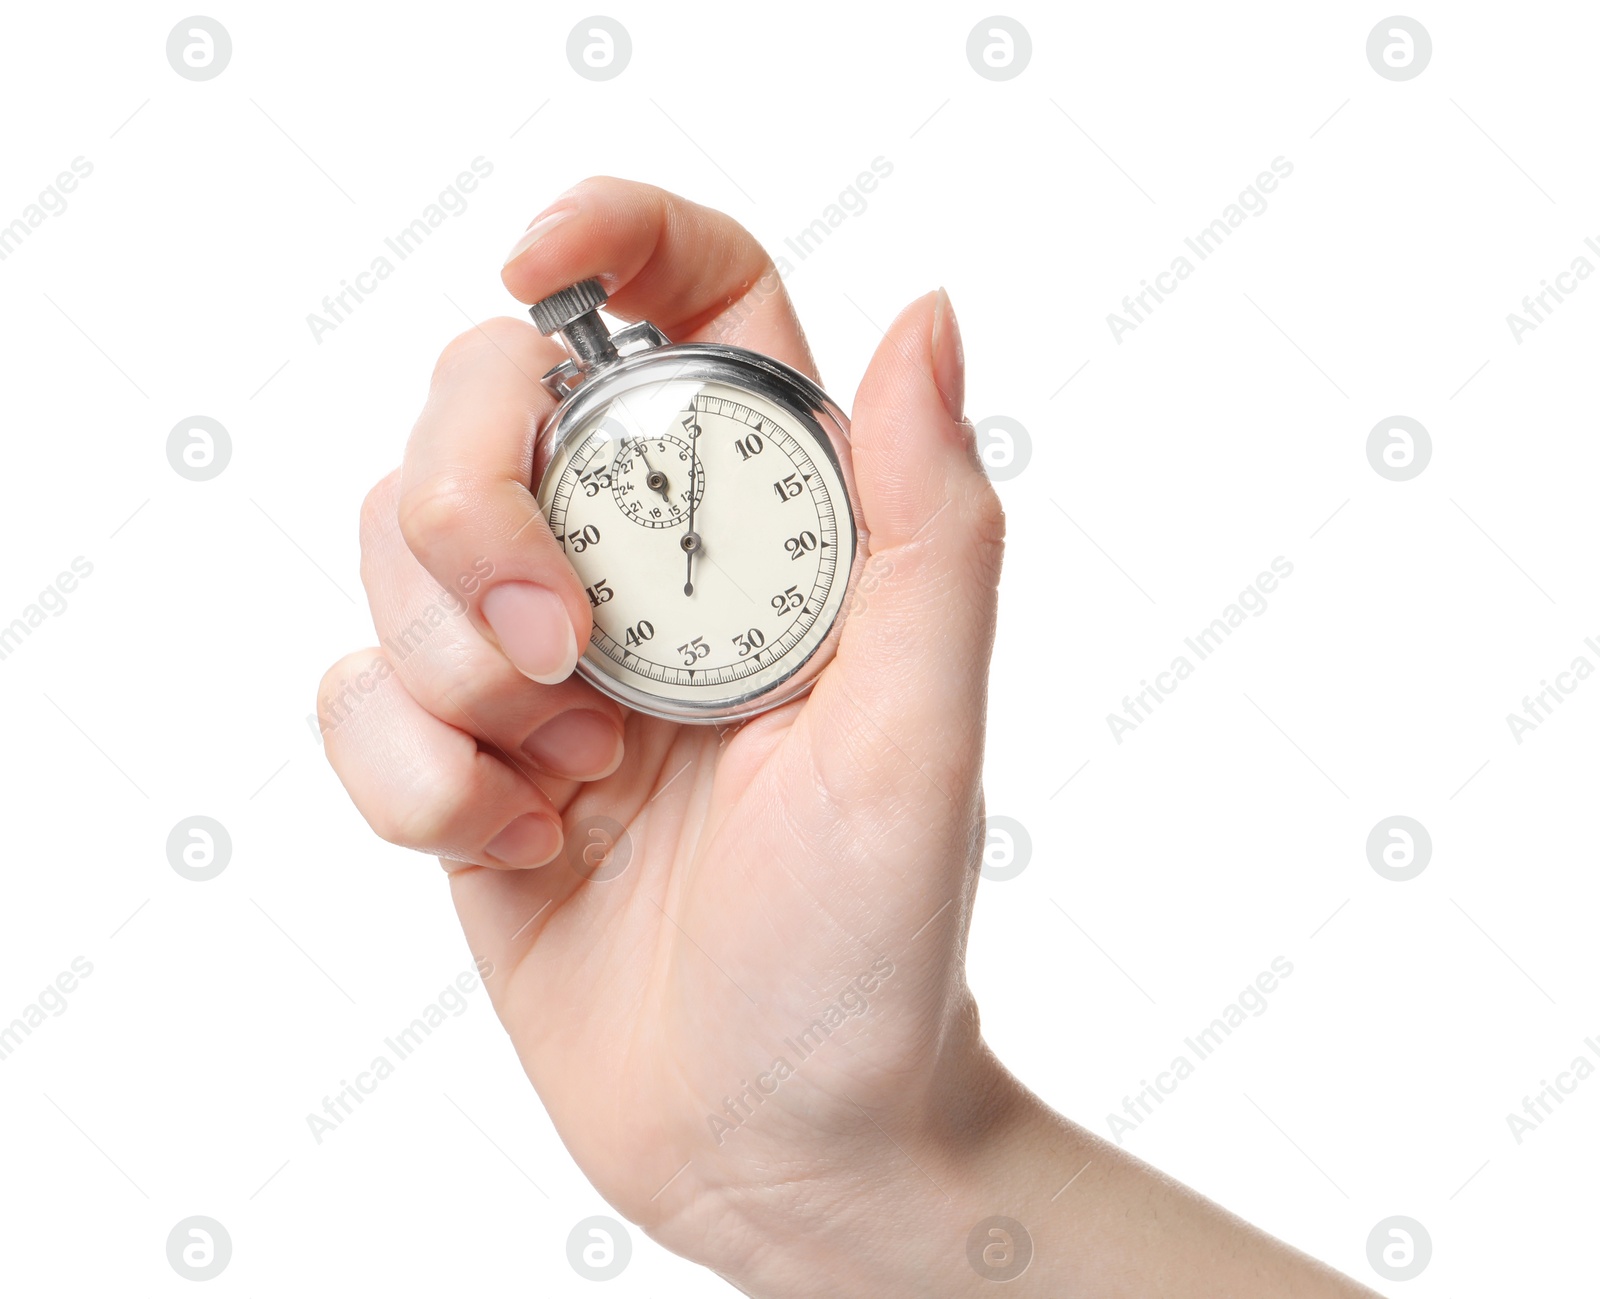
704,496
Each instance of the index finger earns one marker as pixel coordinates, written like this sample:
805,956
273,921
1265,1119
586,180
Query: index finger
466,506
467,509
691,270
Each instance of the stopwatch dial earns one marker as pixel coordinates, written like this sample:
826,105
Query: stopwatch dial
711,611
652,480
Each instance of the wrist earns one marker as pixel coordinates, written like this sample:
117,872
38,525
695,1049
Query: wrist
1010,1192
942,1199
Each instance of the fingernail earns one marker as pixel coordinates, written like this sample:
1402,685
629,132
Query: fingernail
533,629
537,231
949,362
582,745
530,840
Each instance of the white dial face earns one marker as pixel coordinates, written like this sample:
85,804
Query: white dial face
713,536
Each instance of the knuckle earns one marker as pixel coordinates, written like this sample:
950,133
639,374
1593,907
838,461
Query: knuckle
618,194
427,816
343,685
457,678
496,338
605,186
434,508
378,507
986,528
418,821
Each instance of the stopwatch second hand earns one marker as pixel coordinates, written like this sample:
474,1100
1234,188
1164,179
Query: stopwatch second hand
691,539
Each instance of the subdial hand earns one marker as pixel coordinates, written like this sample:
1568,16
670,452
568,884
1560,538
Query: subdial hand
655,480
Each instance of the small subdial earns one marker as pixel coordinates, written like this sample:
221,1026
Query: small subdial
650,481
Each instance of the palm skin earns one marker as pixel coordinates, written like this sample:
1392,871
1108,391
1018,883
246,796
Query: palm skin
823,847
753,897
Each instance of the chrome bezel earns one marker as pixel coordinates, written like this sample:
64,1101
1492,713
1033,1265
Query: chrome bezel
808,406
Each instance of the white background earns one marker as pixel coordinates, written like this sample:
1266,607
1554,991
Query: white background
1227,830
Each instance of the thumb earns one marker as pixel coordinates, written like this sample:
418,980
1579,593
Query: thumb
913,661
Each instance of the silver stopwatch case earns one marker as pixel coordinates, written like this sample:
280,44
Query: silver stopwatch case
604,367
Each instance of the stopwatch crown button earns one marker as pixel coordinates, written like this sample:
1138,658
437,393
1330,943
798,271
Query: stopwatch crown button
562,308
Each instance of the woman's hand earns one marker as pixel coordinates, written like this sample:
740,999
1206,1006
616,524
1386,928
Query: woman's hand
764,1016
752,1028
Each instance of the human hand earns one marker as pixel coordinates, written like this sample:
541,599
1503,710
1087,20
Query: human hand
756,1039
802,884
